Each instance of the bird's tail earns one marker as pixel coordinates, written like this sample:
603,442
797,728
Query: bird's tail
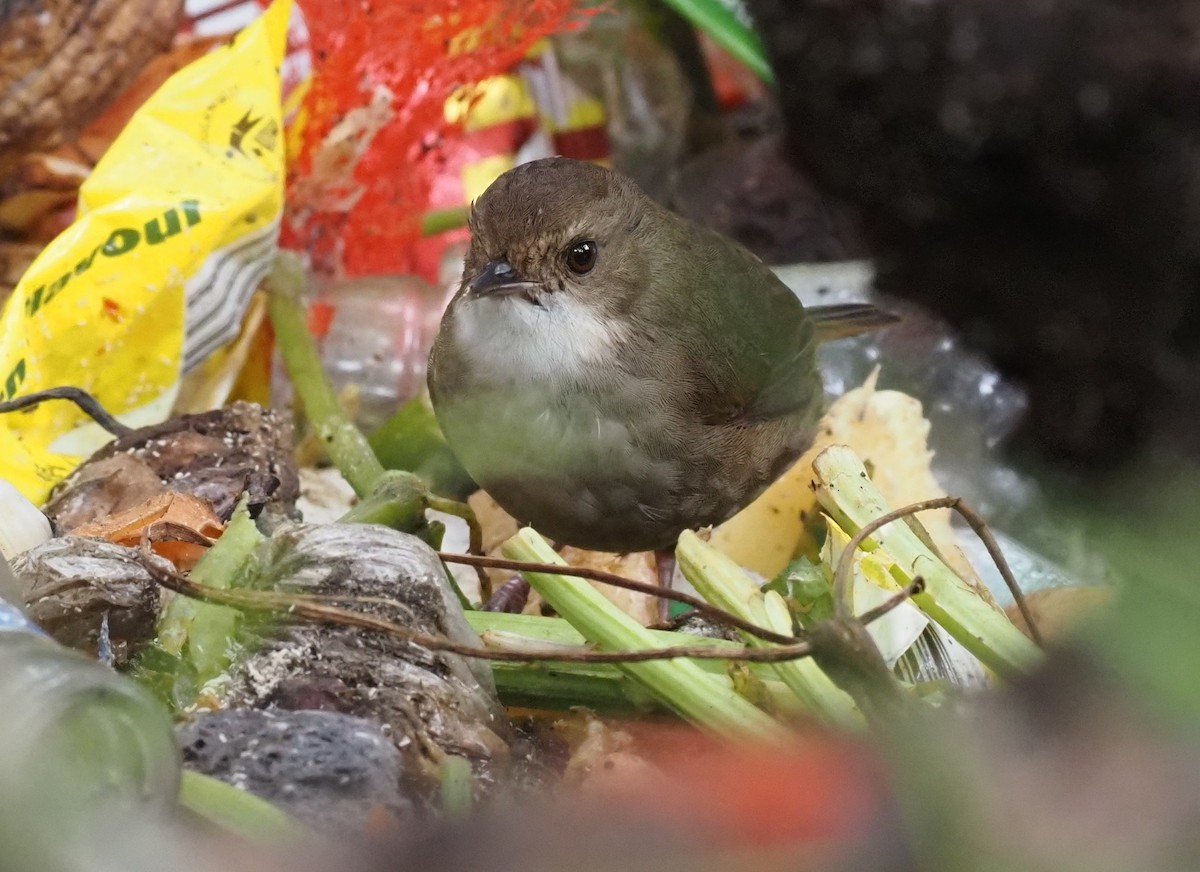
849,319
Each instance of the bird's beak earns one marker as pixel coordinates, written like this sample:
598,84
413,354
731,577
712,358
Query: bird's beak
499,279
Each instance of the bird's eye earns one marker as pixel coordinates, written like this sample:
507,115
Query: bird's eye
581,257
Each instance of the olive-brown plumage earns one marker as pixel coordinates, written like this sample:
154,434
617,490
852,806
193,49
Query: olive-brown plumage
614,375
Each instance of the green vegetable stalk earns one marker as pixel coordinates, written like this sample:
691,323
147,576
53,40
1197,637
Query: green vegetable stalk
845,491
198,632
236,810
598,686
679,683
723,583
347,446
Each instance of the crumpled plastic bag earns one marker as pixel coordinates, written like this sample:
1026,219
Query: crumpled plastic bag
176,226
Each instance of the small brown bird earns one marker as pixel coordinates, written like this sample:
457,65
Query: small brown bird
613,374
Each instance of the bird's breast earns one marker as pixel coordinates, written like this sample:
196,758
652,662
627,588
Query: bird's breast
559,457
559,340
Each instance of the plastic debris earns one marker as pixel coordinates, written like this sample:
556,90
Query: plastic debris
188,201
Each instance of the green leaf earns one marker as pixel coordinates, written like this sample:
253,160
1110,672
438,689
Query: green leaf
411,440
807,587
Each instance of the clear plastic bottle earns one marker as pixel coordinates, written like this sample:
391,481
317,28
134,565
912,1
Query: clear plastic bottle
79,745
377,332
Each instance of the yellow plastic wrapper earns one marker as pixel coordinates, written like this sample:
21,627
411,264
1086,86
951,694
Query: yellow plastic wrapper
176,226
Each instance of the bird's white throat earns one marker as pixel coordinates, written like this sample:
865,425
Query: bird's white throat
508,337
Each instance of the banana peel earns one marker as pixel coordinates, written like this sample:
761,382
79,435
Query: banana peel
889,431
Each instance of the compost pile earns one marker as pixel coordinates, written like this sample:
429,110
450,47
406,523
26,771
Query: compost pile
225,261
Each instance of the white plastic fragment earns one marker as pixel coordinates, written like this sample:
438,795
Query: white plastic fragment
22,524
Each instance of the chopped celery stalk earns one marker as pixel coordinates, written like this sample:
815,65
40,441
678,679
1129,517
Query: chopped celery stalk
724,584
679,683
852,500
601,686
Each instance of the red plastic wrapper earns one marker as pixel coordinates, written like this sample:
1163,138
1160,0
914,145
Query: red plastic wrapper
373,133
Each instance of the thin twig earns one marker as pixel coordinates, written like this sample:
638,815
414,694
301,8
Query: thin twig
841,576
87,404
841,587
300,608
702,606
975,522
915,587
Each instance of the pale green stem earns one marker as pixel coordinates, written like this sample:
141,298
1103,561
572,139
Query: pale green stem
440,220
846,492
201,631
679,683
347,446
236,810
595,685
723,583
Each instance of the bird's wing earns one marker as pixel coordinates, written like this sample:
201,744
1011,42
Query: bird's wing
753,349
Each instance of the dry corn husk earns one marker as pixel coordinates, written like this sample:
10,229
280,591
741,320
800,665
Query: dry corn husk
62,61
